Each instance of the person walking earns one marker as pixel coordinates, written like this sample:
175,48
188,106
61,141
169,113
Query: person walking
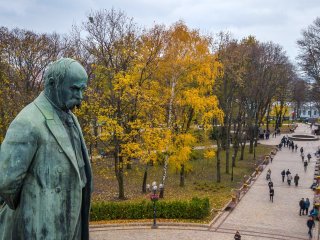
296,179
237,236
302,206
295,147
288,172
289,179
283,174
301,150
309,157
270,184
271,193
305,165
310,224
268,176
302,157
307,205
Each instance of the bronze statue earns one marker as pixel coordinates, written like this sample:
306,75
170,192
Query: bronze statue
45,173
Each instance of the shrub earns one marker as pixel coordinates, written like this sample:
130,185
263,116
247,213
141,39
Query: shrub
195,209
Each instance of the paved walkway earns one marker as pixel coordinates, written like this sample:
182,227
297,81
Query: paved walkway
255,216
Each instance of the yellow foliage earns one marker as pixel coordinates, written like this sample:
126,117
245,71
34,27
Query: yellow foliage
209,154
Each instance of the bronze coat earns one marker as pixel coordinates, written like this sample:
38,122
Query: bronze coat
39,178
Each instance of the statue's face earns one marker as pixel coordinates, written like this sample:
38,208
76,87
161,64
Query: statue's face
72,87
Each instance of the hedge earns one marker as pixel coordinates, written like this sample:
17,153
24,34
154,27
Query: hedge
194,209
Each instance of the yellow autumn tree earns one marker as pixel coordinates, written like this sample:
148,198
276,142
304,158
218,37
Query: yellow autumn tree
187,71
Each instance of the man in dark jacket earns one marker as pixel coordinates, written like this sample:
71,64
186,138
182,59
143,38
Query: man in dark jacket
310,224
302,206
283,174
271,193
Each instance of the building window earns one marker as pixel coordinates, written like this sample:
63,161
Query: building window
315,112
304,112
309,113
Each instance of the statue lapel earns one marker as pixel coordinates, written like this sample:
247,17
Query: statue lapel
57,129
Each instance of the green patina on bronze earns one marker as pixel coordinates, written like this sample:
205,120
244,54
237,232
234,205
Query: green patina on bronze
45,180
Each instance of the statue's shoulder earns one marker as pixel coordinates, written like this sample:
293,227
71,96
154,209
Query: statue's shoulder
31,114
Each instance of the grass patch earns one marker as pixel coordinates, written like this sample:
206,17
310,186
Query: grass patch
200,179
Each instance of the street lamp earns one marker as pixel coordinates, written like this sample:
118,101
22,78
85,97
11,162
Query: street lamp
254,148
154,196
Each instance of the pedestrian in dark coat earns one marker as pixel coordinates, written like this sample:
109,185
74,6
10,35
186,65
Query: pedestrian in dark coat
288,172
310,224
270,184
289,179
237,236
301,150
283,174
307,205
271,193
296,179
309,157
302,206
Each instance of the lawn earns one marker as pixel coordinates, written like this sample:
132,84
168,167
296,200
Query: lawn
200,179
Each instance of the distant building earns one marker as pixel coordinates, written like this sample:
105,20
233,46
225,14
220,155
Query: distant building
308,110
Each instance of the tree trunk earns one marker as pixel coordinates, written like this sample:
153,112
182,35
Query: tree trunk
119,172
144,182
268,114
182,175
227,159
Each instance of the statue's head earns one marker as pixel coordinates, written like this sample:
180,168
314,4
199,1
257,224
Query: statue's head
64,83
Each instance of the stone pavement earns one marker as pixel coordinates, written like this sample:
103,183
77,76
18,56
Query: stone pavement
255,216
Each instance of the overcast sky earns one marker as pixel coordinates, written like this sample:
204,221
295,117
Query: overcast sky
279,21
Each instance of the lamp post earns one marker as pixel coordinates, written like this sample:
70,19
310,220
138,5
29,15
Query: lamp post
254,148
154,196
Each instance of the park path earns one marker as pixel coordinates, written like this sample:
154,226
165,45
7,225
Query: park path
255,216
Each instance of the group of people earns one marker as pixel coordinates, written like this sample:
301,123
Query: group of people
287,173
286,142
305,161
304,205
